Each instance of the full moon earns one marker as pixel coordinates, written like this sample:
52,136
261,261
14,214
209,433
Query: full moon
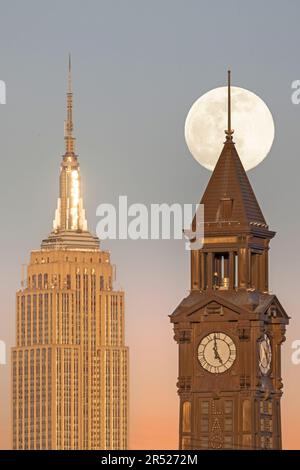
251,120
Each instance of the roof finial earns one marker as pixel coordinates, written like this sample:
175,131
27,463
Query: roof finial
229,131
70,75
69,139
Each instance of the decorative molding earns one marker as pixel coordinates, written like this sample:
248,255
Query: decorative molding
184,385
213,308
183,336
244,334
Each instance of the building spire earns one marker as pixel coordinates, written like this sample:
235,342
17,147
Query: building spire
229,131
70,75
69,139
70,213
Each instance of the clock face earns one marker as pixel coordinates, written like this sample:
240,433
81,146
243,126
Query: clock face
265,354
216,352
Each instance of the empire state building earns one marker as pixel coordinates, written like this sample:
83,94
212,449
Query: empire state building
70,363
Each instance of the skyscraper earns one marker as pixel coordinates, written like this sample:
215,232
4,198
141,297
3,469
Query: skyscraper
70,363
230,328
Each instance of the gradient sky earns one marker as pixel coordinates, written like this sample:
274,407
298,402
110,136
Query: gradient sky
138,66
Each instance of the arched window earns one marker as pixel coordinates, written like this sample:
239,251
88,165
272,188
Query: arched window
186,416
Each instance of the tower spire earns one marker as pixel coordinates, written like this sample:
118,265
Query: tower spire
70,75
229,131
69,139
70,229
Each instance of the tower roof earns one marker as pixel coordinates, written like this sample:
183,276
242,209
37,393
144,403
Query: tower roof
229,196
229,200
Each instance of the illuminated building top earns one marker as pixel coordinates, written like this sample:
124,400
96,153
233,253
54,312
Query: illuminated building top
70,226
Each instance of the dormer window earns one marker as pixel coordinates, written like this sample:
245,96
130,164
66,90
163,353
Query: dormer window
225,209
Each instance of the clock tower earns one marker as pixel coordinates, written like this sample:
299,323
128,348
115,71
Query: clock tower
230,328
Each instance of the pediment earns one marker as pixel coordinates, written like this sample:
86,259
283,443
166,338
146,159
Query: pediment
208,304
231,306
217,306
274,310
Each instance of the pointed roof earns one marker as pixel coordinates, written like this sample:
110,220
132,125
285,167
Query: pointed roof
229,196
229,200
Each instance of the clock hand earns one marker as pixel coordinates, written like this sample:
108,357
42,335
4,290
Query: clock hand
215,349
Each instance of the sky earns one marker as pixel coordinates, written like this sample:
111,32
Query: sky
137,68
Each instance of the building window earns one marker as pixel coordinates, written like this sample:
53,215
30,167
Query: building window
204,407
228,407
255,270
221,271
228,424
186,416
225,209
204,420
236,270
